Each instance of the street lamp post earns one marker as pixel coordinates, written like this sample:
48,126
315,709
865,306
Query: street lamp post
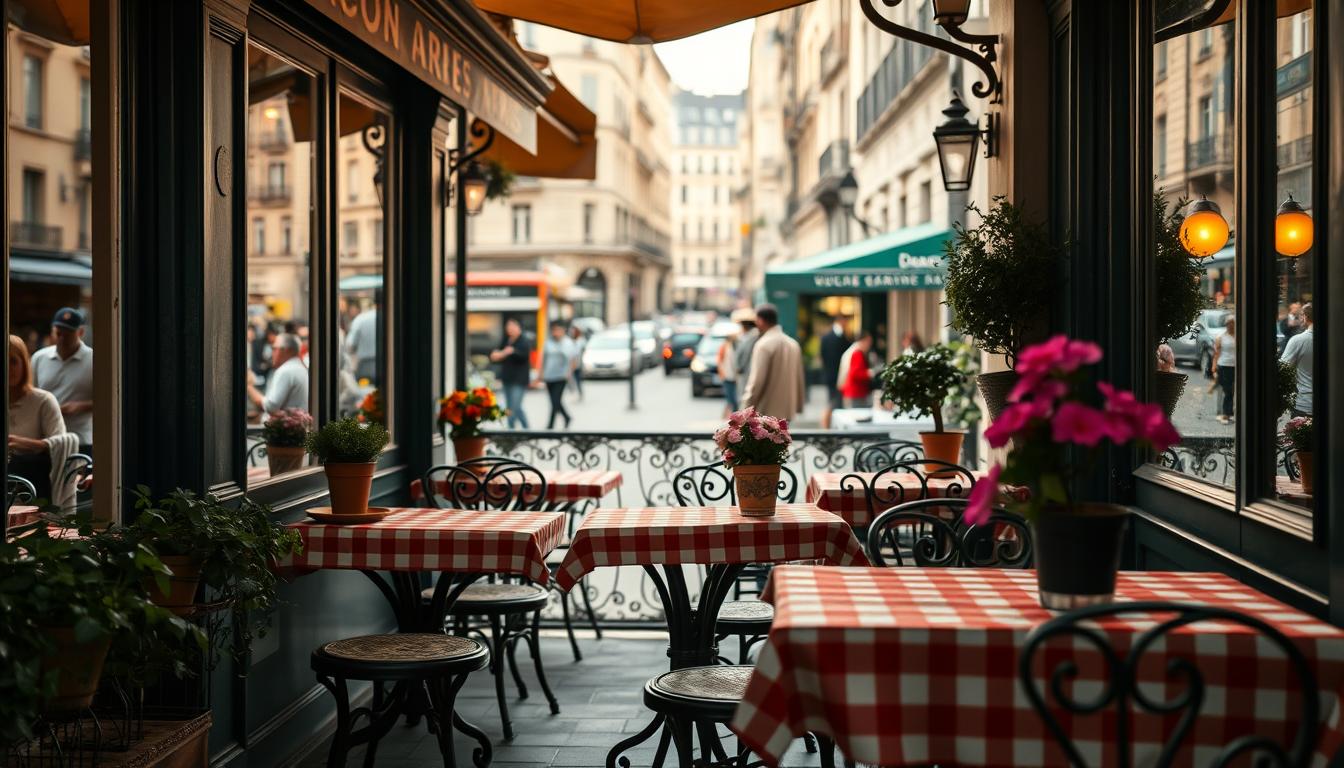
630,322
847,194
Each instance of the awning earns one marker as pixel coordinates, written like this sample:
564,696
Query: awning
37,269
361,283
635,21
907,259
566,141
61,21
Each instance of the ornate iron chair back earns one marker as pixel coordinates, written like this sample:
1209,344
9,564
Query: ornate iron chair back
490,482
874,456
256,454
78,469
707,485
18,490
914,533
1126,692
904,481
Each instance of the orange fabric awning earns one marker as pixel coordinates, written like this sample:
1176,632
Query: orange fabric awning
635,21
61,21
566,141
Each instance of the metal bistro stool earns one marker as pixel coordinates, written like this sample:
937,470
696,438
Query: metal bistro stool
439,663
700,697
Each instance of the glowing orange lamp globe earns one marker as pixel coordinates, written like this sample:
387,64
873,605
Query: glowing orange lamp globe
1293,230
1204,230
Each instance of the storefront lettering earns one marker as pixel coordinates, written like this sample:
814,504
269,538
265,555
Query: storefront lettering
906,261
878,280
434,56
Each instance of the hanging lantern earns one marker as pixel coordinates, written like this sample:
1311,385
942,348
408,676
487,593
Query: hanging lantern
1293,230
1204,231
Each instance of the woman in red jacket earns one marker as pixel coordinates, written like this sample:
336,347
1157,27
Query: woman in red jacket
856,381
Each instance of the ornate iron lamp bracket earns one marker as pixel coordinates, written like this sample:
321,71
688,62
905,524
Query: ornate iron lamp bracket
989,87
457,158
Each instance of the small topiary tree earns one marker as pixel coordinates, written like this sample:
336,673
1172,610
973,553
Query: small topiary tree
1176,274
347,441
920,383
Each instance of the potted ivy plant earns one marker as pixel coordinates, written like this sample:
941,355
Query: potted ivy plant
463,412
754,446
284,432
1057,424
920,384
1178,298
1001,274
347,450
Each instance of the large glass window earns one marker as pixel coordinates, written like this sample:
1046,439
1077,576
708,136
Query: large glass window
280,150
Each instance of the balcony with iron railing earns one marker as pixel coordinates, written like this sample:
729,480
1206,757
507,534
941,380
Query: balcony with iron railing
276,140
898,69
29,234
272,193
1294,153
834,161
1208,152
833,54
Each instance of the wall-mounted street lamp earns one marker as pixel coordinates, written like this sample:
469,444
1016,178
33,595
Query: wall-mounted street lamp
950,15
1204,231
847,194
957,140
1293,233
463,168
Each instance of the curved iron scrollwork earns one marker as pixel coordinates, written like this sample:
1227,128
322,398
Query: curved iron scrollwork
874,456
929,533
484,137
990,87
1127,687
490,482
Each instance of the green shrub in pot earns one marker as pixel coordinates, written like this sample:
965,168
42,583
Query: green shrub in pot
347,450
920,384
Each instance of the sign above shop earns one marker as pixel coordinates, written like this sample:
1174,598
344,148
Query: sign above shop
876,280
407,35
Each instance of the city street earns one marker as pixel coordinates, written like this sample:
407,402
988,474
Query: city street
1197,411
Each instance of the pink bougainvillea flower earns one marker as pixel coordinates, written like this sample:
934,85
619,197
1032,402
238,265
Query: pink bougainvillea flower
1078,423
1058,355
1152,425
759,432
981,500
1015,419
1038,387
777,438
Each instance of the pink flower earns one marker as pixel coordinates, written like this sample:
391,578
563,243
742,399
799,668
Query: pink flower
981,501
783,425
1014,419
1038,387
734,435
778,438
759,432
1151,424
1058,355
728,454
1078,423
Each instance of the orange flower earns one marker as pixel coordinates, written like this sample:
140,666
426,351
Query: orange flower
473,412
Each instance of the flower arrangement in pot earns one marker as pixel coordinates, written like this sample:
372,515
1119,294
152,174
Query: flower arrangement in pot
284,433
1300,435
754,446
1057,426
370,410
348,450
1177,301
1001,275
464,411
919,384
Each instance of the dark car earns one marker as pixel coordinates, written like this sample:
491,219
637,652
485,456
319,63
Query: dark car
704,366
679,349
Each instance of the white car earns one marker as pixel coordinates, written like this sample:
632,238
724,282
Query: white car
607,356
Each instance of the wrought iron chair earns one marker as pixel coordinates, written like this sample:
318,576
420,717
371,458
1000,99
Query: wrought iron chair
78,469
903,481
1126,693
18,490
874,456
914,533
496,483
256,454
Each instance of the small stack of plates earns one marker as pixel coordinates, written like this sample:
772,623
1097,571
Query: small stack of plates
370,515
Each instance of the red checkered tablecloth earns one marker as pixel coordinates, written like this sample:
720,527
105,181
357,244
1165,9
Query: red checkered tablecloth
21,514
706,536
844,492
435,540
920,665
562,486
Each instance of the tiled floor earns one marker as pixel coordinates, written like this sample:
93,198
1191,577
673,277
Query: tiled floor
600,703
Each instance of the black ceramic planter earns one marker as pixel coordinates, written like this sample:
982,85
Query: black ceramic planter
1078,554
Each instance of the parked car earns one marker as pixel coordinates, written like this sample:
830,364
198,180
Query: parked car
679,349
607,356
646,341
705,365
1196,348
589,325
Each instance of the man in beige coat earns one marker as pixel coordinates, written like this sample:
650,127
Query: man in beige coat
775,385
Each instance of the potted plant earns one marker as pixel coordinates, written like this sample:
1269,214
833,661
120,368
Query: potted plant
465,411
1001,274
920,384
347,450
1057,426
754,447
370,410
284,432
1300,434
1178,298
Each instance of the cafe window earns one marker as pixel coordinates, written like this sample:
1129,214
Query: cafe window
589,215
259,236
522,223
33,94
286,235
34,190
349,240
376,236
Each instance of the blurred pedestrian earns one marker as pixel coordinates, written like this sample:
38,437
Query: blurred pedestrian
1299,353
745,342
856,383
514,358
580,340
557,365
776,385
1166,359
911,344
34,417
287,386
361,344
726,364
65,369
832,353
1225,362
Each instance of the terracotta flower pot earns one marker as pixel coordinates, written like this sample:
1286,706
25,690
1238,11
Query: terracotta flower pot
1306,471
181,595
1078,554
467,448
757,489
78,666
942,446
349,485
994,388
284,458
1167,390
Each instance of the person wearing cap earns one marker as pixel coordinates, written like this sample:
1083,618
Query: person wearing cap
65,369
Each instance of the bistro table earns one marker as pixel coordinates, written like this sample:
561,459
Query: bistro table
920,666
663,539
461,545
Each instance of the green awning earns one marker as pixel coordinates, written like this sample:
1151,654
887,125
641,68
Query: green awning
907,259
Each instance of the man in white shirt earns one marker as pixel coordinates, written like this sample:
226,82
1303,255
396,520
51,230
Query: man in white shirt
1298,352
361,343
287,386
65,369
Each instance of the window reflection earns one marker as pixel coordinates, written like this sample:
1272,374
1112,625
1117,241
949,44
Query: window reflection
1194,112
279,302
362,148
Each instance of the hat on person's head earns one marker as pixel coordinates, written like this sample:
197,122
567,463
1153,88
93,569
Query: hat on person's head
744,315
68,318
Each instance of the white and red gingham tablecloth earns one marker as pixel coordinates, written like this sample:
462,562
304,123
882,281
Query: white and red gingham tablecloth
843,492
434,540
22,514
920,666
706,536
562,485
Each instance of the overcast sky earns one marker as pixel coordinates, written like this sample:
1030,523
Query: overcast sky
713,62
